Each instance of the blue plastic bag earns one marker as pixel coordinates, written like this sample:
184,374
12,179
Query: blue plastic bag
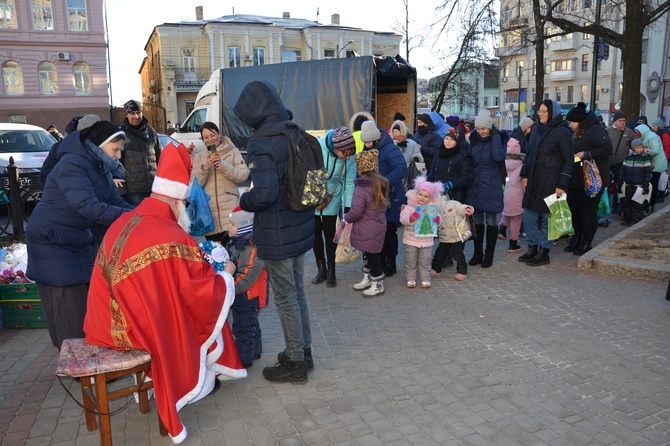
198,210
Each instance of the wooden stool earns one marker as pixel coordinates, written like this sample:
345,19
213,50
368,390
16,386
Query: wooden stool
95,366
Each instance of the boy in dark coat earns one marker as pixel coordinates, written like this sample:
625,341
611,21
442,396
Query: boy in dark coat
636,172
251,287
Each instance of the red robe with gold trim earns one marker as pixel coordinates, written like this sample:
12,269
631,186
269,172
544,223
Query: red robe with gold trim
151,289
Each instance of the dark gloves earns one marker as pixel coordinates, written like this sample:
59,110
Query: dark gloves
645,189
448,186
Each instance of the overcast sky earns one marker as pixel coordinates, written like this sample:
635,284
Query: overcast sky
130,23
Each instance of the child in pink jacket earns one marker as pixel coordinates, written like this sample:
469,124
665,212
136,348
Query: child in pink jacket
418,250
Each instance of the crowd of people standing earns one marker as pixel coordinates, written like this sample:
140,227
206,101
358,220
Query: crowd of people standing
478,182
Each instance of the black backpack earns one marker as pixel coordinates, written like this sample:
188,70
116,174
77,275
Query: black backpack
306,179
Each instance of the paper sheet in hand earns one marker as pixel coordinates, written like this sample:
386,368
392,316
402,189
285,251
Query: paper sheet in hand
639,197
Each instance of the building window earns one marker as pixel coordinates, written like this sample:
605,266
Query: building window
534,67
233,56
593,106
583,93
585,62
76,11
17,119
188,59
571,94
546,93
48,77
562,65
329,54
519,68
587,4
83,82
42,15
506,70
645,50
486,101
290,56
7,14
11,72
259,56
547,67
190,105
558,93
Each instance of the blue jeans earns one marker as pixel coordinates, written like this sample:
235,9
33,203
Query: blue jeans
537,231
289,296
488,218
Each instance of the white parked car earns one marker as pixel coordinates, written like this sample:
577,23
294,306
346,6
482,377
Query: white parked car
29,145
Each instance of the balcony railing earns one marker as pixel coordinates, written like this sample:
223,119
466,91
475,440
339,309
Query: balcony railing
564,44
189,75
562,75
511,50
514,23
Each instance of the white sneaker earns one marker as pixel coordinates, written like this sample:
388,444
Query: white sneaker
375,289
363,284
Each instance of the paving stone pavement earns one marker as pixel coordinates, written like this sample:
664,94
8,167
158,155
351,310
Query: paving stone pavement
515,355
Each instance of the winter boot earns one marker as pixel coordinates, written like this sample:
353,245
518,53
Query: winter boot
514,246
389,268
321,273
502,232
331,280
376,288
583,248
309,361
542,258
287,371
491,239
575,241
363,284
532,252
478,255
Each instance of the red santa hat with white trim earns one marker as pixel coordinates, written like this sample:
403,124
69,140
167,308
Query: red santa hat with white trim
173,173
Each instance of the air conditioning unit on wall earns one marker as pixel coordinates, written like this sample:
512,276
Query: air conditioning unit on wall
604,90
247,57
63,56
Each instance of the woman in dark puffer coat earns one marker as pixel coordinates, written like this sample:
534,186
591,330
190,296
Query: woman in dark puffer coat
546,170
485,193
79,202
591,143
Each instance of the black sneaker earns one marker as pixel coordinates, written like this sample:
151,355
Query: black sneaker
287,371
309,361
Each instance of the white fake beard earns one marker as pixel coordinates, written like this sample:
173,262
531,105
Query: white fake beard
182,219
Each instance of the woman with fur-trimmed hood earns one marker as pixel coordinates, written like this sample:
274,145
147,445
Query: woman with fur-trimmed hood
408,147
355,124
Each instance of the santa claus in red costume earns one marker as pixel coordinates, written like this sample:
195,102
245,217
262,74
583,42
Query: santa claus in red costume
152,290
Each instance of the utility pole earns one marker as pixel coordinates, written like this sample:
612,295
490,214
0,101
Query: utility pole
594,68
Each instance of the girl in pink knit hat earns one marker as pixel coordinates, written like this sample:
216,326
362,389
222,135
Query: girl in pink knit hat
421,211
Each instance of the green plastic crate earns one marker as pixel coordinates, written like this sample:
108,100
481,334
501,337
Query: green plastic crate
21,306
19,291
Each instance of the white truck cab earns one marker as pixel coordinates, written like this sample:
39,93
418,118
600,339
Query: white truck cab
206,109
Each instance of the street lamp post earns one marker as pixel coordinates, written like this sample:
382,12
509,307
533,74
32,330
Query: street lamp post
519,69
339,50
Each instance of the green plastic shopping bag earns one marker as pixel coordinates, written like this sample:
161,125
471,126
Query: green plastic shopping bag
560,217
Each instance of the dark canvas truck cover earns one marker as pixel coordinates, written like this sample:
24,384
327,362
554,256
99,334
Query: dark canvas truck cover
321,94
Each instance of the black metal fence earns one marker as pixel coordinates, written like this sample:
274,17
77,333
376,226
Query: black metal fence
19,193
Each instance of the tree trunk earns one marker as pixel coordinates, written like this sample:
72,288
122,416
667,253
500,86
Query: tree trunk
631,54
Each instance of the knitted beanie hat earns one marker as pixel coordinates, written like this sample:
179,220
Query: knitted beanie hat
618,115
484,119
342,139
452,133
131,106
367,161
369,131
636,142
578,113
525,123
658,122
244,220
